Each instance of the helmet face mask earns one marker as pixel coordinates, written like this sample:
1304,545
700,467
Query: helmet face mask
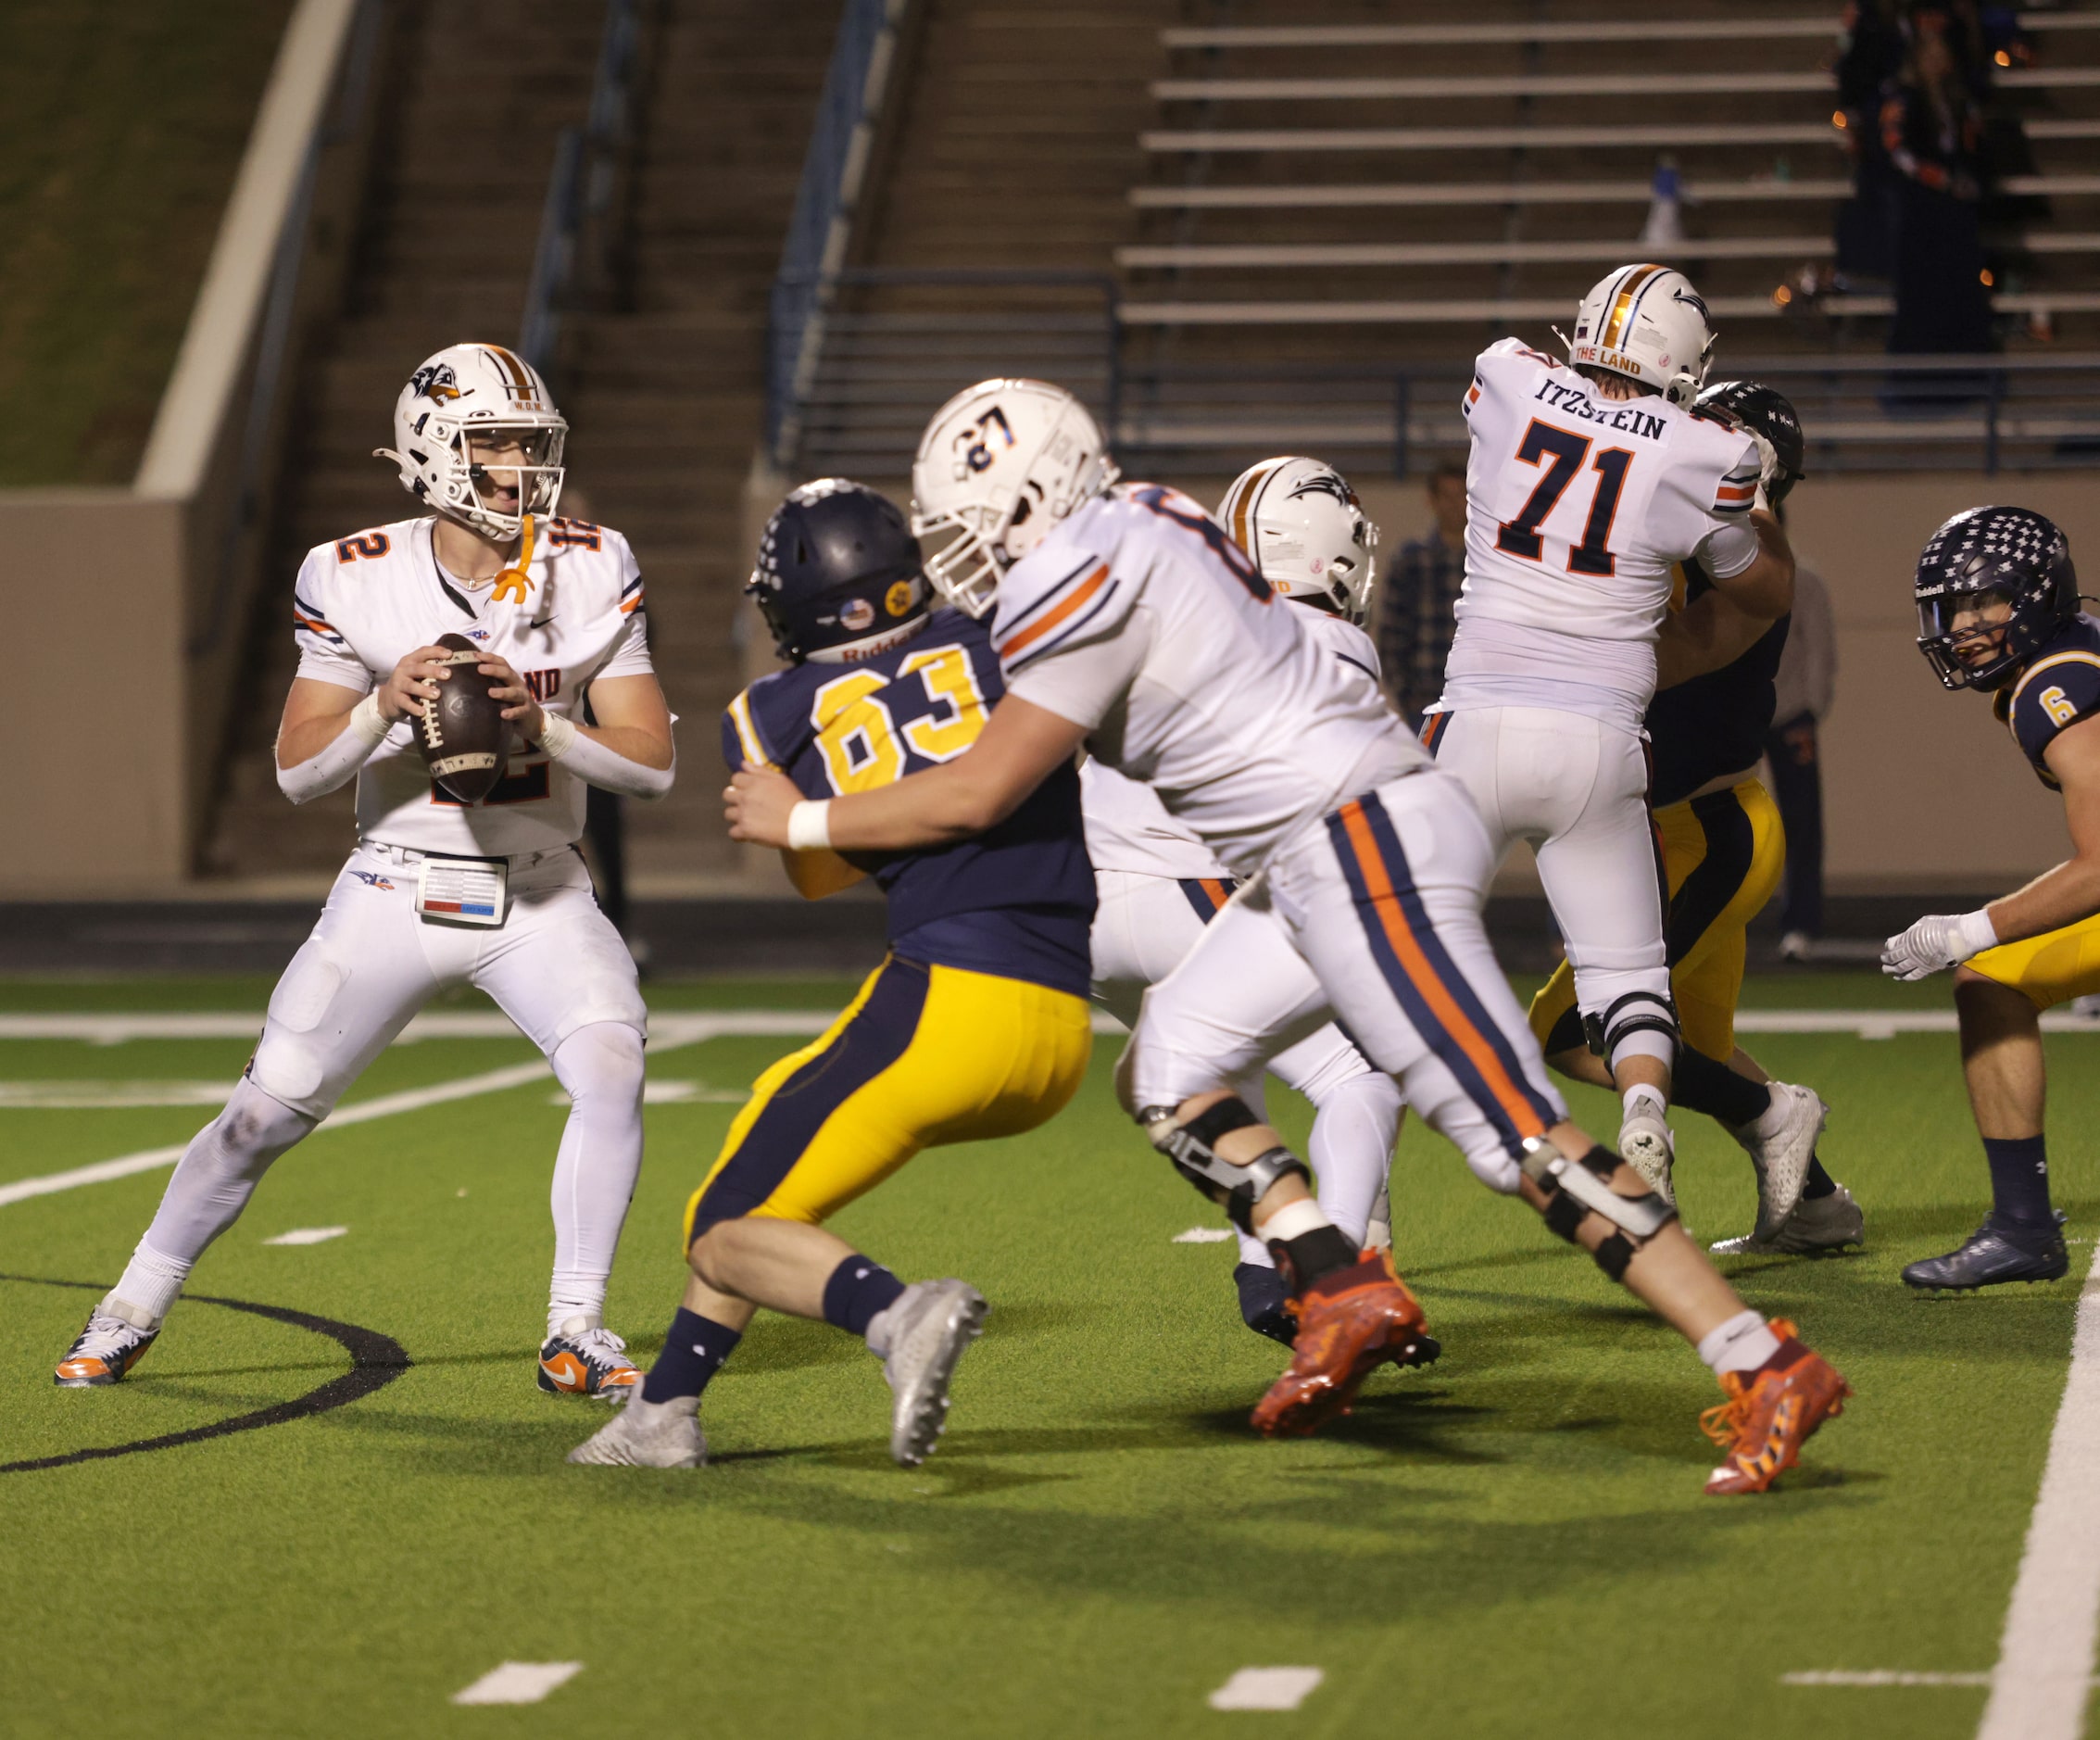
1993,585
999,465
1648,323
471,403
1306,532
838,575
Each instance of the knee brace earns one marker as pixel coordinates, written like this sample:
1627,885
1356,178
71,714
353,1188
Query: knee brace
1637,1012
1191,1148
1575,1191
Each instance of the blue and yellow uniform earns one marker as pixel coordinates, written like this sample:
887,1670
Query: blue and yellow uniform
977,1025
2059,687
1723,851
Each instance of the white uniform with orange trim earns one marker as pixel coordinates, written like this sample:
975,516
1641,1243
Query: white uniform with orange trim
1138,618
1578,509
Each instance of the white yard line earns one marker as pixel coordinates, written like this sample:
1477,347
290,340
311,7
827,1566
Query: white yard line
2045,1674
308,1235
519,1683
1267,1688
1881,1676
668,1033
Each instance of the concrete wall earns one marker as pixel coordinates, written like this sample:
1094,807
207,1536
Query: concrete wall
1922,789
93,784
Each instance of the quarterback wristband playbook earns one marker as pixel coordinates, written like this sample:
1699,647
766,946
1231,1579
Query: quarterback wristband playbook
346,752
593,764
809,826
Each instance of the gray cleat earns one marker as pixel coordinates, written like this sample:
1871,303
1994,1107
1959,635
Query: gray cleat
929,1328
649,1435
1821,1223
1781,1158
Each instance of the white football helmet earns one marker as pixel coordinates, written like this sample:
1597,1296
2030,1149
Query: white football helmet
1300,521
1648,323
475,388
999,464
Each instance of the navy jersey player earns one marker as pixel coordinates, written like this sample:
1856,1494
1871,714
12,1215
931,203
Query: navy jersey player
1998,610
977,1025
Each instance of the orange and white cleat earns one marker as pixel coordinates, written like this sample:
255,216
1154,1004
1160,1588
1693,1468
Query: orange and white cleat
584,1358
103,1353
1350,1323
1770,1413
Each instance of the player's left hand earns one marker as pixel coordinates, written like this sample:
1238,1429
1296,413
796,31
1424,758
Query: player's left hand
757,803
520,708
1935,943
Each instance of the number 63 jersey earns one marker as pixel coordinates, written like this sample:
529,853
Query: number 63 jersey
1017,901
1578,509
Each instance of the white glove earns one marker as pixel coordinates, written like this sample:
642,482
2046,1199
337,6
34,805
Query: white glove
1942,941
1768,459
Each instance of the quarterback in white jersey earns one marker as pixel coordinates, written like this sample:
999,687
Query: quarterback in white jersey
1158,885
1128,622
1588,482
439,894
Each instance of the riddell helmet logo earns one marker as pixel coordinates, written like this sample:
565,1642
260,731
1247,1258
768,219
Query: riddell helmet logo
435,380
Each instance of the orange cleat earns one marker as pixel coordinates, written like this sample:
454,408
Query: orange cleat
103,1353
1350,1323
1770,1413
585,1359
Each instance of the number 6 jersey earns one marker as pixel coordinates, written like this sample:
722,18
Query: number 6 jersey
1016,900
365,603
1579,508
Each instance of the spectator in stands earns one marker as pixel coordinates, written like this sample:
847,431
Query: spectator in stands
1414,615
1872,54
1805,687
1932,131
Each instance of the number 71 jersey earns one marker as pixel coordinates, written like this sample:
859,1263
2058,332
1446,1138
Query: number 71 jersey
1579,506
839,728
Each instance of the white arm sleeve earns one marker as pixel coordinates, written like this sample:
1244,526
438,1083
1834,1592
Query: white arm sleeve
596,764
346,752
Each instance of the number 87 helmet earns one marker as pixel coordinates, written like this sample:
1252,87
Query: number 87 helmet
999,464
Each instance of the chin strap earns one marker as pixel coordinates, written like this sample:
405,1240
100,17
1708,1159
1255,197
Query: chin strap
514,579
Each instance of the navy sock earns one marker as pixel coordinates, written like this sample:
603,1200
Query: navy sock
1698,1084
1312,1256
694,1349
860,1291
1821,1183
2019,1178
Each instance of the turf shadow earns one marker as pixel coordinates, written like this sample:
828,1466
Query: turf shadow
375,1361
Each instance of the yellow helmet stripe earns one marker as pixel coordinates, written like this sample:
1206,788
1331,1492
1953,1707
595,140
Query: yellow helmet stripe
1243,508
1622,305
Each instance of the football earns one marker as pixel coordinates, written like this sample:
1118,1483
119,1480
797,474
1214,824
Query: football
464,738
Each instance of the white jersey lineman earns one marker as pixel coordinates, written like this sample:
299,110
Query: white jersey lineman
1138,618
437,893
1579,507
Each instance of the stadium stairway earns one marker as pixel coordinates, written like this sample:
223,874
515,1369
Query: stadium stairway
664,394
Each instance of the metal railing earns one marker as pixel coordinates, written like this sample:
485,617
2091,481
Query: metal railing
579,192
899,342
821,227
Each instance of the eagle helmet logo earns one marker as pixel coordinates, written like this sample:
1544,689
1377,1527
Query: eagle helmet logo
435,381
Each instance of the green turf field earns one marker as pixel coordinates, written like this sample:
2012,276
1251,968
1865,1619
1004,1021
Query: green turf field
1512,1544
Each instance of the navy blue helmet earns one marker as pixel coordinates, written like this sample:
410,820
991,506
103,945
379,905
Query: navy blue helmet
837,566
2012,556
1771,414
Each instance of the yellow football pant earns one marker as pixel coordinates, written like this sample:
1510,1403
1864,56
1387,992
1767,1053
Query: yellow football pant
2048,970
1722,858
924,1055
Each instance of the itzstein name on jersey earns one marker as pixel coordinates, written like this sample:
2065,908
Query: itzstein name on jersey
1579,506
364,603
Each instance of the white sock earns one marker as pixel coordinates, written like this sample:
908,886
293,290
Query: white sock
1742,1343
574,1302
148,1286
1646,1090
1293,1221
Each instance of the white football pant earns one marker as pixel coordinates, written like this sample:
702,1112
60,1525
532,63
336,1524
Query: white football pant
1145,926
1576,789
556,966
1381,903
